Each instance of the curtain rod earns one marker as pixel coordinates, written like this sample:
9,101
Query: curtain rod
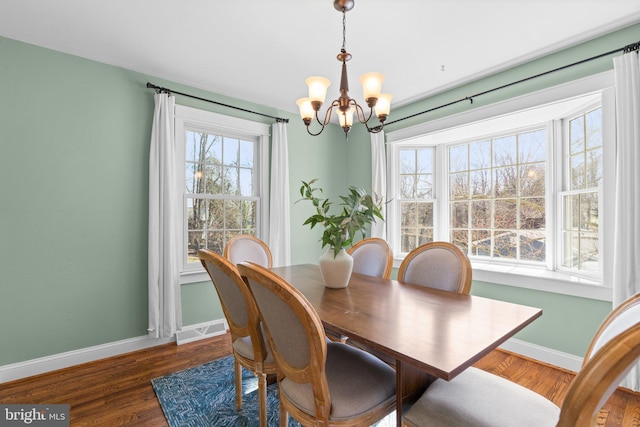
160,89
626,49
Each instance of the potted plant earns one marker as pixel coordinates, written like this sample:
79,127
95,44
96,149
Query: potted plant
357,210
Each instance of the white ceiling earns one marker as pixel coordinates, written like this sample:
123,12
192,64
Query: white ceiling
262,51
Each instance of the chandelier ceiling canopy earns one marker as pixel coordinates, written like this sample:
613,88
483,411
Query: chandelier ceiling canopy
345,106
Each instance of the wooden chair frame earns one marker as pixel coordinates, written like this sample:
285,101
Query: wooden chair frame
466,275
229,246
314,372
380,242
601,372
258,365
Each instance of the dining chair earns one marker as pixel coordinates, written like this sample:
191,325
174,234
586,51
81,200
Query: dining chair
320,382
249,347
439,265
246,247
372,257
478,398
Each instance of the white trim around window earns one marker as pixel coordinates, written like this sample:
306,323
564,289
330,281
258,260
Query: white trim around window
188,117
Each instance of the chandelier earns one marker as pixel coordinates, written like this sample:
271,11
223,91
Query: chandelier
345,106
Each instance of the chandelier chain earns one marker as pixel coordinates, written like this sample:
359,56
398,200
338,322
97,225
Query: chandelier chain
344,29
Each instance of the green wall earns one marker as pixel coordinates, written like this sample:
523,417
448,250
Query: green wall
74,141
74,147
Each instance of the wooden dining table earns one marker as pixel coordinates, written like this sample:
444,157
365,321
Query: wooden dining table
428,333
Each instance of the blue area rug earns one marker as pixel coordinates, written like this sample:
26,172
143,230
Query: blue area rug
205,396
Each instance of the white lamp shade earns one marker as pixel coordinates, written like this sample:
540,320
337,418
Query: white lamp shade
306,109
371,85
383,106
346,119
317,88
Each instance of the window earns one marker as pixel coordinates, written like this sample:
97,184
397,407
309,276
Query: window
518,186
497,196
416,197
580,200
223,185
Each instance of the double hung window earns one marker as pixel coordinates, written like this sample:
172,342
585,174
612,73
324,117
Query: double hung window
223,181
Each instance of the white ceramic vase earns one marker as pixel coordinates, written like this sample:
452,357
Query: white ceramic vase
336,271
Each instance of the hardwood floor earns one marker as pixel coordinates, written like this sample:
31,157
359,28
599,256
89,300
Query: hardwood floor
118,392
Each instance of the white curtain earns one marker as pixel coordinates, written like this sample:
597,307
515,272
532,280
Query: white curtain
165,314
279,216
626,253
379,180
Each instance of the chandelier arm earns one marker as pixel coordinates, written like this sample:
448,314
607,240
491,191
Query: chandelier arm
361,114
315,134
327,115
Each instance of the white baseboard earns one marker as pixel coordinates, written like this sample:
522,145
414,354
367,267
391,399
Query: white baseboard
544,354
45,364
41,365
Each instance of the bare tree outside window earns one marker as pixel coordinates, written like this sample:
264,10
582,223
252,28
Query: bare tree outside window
416,197
497,196
219,190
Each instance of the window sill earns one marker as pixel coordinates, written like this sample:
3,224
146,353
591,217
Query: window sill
539,280
194,276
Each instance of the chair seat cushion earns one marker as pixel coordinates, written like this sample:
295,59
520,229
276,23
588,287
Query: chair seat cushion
480,399
358,382
244,348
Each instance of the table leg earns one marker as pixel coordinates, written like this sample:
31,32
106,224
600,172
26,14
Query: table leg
411,383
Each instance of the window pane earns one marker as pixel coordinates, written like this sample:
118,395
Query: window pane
589,256
580,232
215,241
480,155
424,187
504,151
407,161
576,135
481,242
532,246
532,179
532,147
593,168
593,122
231,181
481,183
532,213
408,214
571,212
459,186
408,186
231,151
577,172
246,154
425,214
216,214
460,214
505,244
246,182
506,214
458,158
506,182
589,211
460,238
424,161
481,214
